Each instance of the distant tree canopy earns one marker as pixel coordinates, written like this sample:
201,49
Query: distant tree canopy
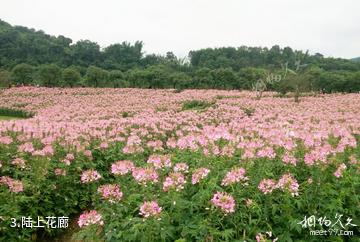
49,75
71,77
29,57
23,74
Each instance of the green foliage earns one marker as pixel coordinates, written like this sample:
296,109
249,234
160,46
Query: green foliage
249,111
85,53
248,76
116,78
123,56
203,78
22,74
338,81
196,104
180,80
223,78
5,80
70,77
126,114
10,112
152,77
49,75
187,215
24,50
96,77
357,59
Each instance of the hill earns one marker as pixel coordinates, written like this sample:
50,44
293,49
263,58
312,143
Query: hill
20,44
32,57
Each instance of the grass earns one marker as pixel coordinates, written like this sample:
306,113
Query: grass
9,113
226,97
8,118
196,105
249,111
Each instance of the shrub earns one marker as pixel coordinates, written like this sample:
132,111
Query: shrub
15,113
196,104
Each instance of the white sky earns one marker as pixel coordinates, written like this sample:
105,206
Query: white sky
331,27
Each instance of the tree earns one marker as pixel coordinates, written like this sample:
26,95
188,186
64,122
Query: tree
96,76
223,78
248,76
203,78
123,56
5,80
23,50
70,77
354,83
274,57
22,74
296,82
158,76
116,78
151,59
170,57
179,80
138,78
85,53
49,75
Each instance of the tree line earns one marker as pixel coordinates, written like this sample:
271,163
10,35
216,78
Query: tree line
30,57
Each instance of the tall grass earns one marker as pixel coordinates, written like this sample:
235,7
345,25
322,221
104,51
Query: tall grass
16,113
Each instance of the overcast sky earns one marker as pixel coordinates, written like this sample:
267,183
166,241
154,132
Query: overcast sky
330,27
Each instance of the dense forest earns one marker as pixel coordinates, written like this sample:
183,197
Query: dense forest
30,57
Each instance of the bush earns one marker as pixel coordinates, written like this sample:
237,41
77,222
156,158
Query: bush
70,77
23,74
15,113
96,76
5,78
49,75
196,104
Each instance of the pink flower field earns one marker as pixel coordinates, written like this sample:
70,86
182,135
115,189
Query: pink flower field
155,165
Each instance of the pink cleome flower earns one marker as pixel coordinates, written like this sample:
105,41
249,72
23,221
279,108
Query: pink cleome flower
60,172
90,176
339,170
267,185
266,152
174,181
14,186
19,162
110,192
70,156
6,140
26,147
155,144
150,209
289,183
159,161
199,174
145,175
122,167
353,160
181,167
234,176
88,154
224,201
265,237
90,217
104,145
289,159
